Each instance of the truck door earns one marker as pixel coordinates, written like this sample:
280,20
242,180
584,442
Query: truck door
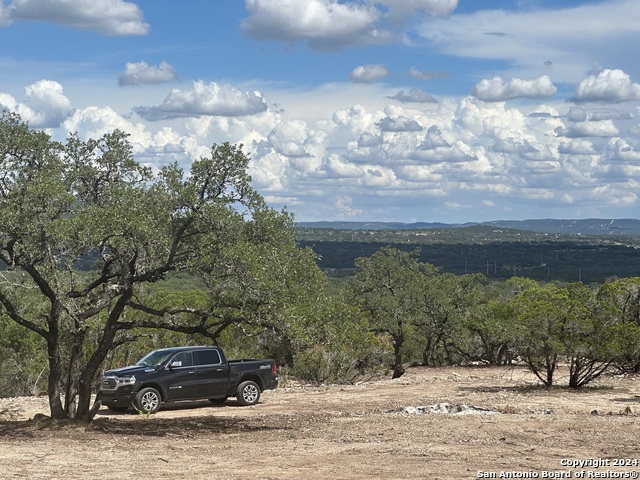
213,375
182,381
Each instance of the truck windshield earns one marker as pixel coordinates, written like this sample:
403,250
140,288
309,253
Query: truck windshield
154,359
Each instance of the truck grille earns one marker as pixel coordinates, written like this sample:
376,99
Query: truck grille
108,383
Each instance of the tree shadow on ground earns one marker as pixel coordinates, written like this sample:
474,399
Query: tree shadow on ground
151,426
538,388
174,406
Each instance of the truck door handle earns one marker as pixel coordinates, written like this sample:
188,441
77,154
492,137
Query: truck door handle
219,369
191,373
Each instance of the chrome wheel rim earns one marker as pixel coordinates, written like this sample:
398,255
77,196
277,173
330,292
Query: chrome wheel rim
250,393
149,401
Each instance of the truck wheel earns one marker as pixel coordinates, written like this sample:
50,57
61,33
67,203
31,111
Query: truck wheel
248,393
148,400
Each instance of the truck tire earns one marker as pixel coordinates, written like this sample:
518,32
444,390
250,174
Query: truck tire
148,400
248,393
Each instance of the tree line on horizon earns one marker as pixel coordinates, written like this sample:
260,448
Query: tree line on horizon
500,257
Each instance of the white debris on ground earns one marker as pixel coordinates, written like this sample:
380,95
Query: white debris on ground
450,408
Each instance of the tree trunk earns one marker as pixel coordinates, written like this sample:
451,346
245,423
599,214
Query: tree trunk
55,370
85,378
544,371
427,353
505,355
84,410
75,384
398,340
55,390
431,345
550,369
73,374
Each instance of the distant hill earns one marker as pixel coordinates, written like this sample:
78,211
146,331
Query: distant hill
592,226
589,250
375,225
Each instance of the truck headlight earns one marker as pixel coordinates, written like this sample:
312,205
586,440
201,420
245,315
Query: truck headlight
124,381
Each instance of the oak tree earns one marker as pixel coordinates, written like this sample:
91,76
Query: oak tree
85,229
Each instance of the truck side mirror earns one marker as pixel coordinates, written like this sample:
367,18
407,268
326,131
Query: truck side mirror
175,364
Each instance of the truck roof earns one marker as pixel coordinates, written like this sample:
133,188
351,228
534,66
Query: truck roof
179,349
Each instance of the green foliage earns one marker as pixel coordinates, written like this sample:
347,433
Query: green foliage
627,357
388,286
576,324
331,342
487,334
622,296
448,302
106,260
89,203
589,336
322,365
540,314
22,361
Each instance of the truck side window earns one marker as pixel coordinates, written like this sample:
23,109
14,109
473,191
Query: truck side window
185,357
208,357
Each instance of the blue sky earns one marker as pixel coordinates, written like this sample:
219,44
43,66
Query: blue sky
385,110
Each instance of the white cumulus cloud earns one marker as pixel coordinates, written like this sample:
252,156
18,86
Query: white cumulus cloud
205,99
577,147
400,124
337,24
93,122
497,90
109,17
140,73
415,95
323,24
425,74
45,104
604,128
368,73
607,86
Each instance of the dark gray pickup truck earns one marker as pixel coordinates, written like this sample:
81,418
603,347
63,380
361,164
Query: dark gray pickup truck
186,373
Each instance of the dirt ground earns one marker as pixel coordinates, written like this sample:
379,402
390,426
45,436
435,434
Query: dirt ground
346,432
